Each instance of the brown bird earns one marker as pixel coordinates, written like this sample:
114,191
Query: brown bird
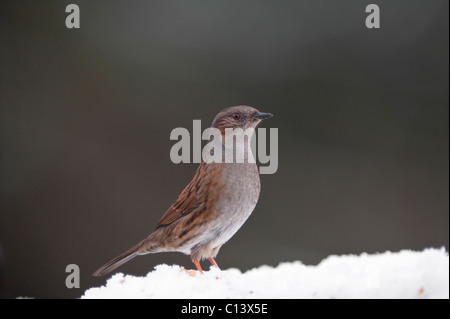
212,207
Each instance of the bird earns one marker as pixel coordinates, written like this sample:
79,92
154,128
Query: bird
212,207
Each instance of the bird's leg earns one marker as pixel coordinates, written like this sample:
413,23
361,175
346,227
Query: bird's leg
197,264
213,262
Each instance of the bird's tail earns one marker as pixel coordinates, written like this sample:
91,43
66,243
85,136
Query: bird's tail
147,246
117,262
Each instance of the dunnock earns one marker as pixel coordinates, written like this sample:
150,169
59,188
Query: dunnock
212,207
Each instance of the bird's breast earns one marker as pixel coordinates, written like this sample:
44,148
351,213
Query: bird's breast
242,185
238,198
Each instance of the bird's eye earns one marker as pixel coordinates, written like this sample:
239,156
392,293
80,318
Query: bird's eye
236,116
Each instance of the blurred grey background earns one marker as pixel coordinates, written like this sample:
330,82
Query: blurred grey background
363,119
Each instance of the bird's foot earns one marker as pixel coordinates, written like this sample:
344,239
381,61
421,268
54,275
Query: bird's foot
190,272
199,267
193,272
213,262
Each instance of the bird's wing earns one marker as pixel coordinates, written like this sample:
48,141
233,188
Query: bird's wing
192,198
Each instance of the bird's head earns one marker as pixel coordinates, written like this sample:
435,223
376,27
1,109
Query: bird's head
241,116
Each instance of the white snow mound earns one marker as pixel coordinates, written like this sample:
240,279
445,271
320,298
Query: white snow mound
404,274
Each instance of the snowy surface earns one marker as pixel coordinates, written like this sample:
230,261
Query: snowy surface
404,274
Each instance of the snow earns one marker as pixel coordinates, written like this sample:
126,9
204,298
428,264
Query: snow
404,274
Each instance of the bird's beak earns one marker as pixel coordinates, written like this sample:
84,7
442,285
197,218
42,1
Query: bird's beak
262,115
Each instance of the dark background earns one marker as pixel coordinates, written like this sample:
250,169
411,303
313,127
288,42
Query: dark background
363,120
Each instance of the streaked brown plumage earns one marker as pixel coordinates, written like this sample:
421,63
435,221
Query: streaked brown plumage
211,208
